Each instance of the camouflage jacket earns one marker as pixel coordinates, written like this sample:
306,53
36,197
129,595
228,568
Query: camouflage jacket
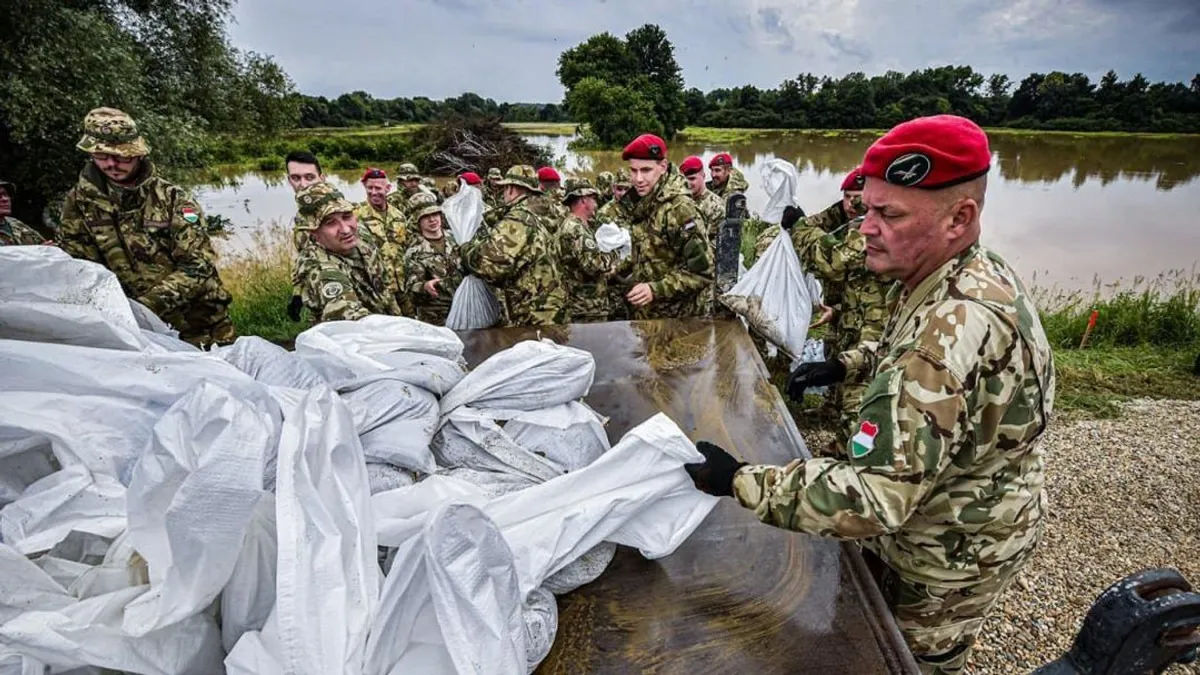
829,221
153,237
300,235
344,288
861,301
671,251
399,198
389,233
547,207
737,183
615,211
424,261
586,270
518,256
944,477
15,233
712,208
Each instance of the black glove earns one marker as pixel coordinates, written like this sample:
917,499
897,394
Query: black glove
820,374
715,474
791,215
294,307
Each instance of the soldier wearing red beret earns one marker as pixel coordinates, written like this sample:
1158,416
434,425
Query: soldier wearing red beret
672,264
942,483
726,178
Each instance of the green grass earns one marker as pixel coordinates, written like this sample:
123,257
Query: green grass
543,128
260,281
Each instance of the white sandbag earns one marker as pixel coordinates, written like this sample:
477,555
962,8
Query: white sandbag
120,567
384,477
530,375
781,181
48,296
69,500
191,499
395,421
269,363
540,613
22,466
354,345
773,298
149,321
328,576
464,212
474,306
96,407
586,569
490,483
249,596
610,237
472,439
570,435
434,374
253,655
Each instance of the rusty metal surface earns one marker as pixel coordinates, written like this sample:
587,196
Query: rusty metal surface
738,596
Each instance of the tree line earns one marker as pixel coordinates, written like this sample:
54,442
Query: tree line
358,108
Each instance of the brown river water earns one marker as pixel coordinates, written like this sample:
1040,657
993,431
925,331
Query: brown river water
1065,210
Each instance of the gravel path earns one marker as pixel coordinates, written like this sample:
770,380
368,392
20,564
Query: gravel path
1124,495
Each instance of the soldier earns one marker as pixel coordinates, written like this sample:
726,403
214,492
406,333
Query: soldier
409,179
493,194
302,169
832,219
344,276
433,270
711,206
604,181
942,483
148,232
384,226
726,178
415,204
672,268
517,256
586,269
617,208
12,231
549,204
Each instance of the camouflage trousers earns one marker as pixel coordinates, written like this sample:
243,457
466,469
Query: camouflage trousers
219,333
940,623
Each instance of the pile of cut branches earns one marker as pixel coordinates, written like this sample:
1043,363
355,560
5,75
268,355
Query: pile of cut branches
454,145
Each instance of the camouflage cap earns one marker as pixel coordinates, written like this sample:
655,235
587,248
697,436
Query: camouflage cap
578,187
319,201
522,175
420,200
429,210
112,132
429,182
494,173
622,178
407,171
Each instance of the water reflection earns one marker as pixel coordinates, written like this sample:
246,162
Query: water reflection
1067,208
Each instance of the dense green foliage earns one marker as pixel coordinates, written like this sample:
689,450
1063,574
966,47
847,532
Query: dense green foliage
166,62
359,108
621,88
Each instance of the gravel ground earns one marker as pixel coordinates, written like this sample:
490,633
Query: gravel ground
1124,495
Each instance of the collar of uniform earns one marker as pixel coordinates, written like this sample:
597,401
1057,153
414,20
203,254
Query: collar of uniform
911,301
94,180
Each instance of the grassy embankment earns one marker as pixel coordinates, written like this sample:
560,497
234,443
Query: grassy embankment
1144,345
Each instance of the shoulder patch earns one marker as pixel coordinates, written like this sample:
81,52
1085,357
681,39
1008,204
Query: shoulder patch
332,290
864,441
190,214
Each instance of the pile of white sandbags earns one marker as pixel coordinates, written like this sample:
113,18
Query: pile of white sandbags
360,505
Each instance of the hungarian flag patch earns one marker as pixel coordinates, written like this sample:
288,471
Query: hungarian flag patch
864,441
189,214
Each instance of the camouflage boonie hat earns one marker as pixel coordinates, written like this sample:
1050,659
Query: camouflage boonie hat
112,132
319,201
578,187
604,181
421,200
522,175
494,174
407,171
622,178
429,210
429,182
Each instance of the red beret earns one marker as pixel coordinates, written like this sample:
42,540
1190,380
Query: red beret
929,153
691,165
372,172
547,174
471,178
854,180
722,159
646,146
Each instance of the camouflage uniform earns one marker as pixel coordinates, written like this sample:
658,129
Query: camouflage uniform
617,212
862,309
736,183
15,233
400,197
830,220
389,232
549,206
944,480
586,269
604,182
670,251
151,235
430,259
712,209
341,287
517,256
493,195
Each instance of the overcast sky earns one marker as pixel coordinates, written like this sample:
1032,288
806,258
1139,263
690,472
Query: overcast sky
508,49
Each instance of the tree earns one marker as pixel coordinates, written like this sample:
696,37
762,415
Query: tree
614,113
601,56
654,56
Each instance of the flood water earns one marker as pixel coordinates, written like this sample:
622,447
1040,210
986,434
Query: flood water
1064,210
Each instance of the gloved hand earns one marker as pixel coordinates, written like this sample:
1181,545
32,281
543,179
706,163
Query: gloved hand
294,307
819,374
791,215
715,474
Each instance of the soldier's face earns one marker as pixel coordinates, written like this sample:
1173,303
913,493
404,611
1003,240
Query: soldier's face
909,232
301,176
619,191
412,185
338,233
645,173
587,206
696,182
5,203
852,203
377,191
118,169
431,226
720,174
548,185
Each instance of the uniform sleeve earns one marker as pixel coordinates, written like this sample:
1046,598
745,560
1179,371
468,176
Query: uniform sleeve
74,237
414,271
580,249
913,416
193,255
330,296
689,240
765,239
25,235
493,254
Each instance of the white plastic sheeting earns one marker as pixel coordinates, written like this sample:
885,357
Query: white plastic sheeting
473,305
781,181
